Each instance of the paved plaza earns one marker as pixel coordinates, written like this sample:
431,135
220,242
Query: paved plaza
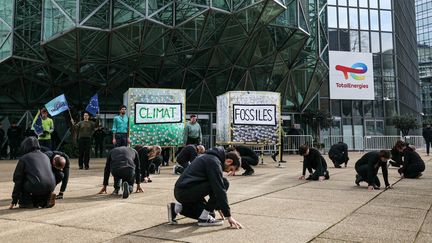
273,205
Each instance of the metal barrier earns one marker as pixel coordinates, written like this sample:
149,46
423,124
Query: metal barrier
380,142
293,142
353,142
417,141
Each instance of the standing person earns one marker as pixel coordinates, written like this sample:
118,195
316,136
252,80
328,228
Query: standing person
120,128
338,154
313,160
85,130
33,178
413,165
427,135
123,163
193,134
48,128
248,158
367,169
15,138
186,156
2,140
204,177
99,137
61,173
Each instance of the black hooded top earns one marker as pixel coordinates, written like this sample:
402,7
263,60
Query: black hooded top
120,158
207,168
412,158
187,154
33,167
337,149
63,175
314,160
373,161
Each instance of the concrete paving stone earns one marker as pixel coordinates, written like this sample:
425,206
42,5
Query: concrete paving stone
326,240
368,233
423,238
135,238
408,224
390,211
257,229
427,225
294,209
113,216
395,199
22,231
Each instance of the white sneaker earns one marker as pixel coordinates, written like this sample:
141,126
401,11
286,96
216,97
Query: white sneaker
210,221
174,170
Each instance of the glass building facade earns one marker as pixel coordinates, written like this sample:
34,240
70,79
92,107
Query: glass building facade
380,27
424,41
207,47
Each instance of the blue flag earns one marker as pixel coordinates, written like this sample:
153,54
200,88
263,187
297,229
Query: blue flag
37,124
57,105
93,106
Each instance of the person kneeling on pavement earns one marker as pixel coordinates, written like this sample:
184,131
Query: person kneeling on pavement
150,161
413,165
186,156
367,169
33,178
315,163
204,177
60,167
248,158
123,163
338,153
397,154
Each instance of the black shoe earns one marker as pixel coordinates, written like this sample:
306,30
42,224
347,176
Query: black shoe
274,157
115,192
59,196
81,167
51,200
171,213
309,178
87,168
210,222
126,189
337,166
376,187
248,173
358,180
327,175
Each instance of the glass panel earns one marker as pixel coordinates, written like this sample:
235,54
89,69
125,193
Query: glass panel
385,4
343,18
364,19
370,128
332,2
333,40
379,128
368,108
344,40
377,64
335,108
332,17
375,42
390,108
357,108
374,23
379,110
353,18
354,41
342,2
346,108
387,42
388,65
364,39
353,3
363,3
373,3
386,21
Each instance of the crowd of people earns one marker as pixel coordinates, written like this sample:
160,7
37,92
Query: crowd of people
201,171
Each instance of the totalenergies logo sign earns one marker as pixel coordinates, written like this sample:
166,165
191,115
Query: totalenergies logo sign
351,76
356,68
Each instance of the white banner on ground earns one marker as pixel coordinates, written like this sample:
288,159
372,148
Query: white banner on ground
351,76
150,113
263,115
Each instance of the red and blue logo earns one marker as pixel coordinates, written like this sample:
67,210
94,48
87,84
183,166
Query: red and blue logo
354,70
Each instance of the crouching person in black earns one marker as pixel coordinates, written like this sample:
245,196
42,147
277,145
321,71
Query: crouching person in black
60,167
338,153
33,178
248,158
186,156
150,161
315,163
367,169
413,165
123,163
397,154
204,177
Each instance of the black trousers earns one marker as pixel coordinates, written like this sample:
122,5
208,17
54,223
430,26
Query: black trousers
45,143
428,144
412,171
99,147
339,159
33,194
84,146
193,199
14,148
121,139
123,174
166,155
192,140
363,172
247,162
150,166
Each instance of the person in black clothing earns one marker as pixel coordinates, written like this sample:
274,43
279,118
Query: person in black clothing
367,169
150,160
61,174
99,137
413,165
186,156
2,141
397,154
204,177
427,135
33,178
123,163
313,160
15,138
248,158
338,153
